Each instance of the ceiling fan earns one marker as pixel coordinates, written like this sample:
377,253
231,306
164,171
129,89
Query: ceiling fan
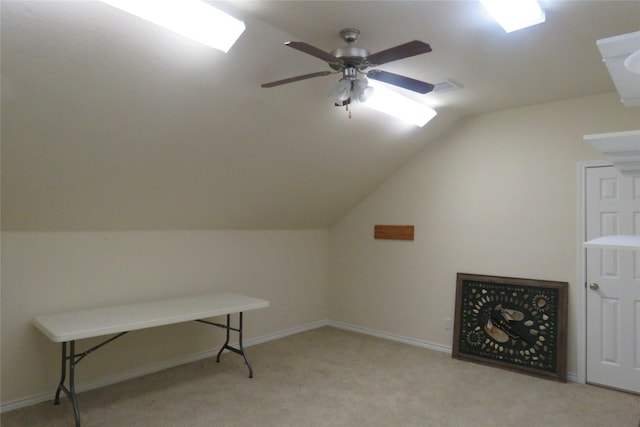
352,61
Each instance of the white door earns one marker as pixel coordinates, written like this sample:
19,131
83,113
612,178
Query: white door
613,281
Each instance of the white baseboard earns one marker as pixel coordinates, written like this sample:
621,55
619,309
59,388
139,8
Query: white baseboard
156,367
286,333
571,377
389,336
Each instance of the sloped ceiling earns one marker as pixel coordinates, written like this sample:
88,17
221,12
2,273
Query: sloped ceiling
111,123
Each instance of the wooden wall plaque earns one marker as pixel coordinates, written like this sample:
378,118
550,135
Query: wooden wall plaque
393,232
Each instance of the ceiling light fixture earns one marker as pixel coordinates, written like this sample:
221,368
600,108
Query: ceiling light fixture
191,18
514,15
342,92
352,88
361,90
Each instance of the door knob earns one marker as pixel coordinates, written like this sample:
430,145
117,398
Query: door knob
594,286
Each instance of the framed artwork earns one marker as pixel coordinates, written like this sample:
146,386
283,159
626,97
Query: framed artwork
512,323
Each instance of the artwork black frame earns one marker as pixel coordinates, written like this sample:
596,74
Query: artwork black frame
512,323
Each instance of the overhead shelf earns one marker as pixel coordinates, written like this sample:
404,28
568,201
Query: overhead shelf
620,148
615,50
614,242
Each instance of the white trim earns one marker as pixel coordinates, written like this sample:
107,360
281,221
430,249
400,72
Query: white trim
581,265
406,340
392,337
285,333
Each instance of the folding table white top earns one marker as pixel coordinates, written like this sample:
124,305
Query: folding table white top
74,325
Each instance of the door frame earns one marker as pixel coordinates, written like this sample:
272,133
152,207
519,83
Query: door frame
580,296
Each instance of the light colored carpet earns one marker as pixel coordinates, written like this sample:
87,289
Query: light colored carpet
332,377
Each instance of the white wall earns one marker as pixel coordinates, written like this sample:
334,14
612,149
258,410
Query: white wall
44,272
496,196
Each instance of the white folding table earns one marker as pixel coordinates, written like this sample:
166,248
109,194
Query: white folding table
68,327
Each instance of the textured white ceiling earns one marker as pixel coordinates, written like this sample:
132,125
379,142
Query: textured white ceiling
111,123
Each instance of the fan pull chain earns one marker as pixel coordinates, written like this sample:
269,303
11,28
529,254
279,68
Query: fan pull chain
349,111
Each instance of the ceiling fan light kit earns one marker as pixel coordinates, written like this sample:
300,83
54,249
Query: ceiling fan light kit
361,90
352,62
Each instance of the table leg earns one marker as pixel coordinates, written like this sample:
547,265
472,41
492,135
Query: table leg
63,375
226,341
240,349
71,391
72,359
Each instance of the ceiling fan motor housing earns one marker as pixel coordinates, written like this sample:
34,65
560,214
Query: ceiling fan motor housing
350,56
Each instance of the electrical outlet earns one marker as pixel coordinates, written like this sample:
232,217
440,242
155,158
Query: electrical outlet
447,324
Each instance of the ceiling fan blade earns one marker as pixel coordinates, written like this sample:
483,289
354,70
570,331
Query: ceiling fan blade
313,51
406,50
295,79
401,81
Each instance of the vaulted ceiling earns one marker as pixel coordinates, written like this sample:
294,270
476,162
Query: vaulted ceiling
111,123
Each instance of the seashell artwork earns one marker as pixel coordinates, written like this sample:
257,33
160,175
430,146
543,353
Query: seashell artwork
512,322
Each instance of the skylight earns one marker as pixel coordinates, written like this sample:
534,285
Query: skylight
514,15
191,18
394,104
